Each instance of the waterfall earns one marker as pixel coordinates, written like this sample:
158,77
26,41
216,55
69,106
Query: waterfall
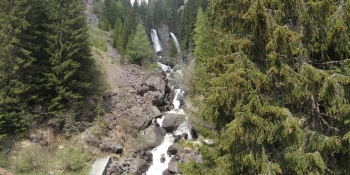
176,42
155,40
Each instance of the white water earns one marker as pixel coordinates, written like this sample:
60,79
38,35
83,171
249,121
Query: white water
157,167
155,40
176,42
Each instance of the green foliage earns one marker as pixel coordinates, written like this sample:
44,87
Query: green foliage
139,50
272,78
98,39
70,59
118,36
172,49
32,159
72,158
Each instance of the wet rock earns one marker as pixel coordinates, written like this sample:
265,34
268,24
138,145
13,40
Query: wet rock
184,135
154,135
172,121
172,150
177,138
139,166
173,167
162,159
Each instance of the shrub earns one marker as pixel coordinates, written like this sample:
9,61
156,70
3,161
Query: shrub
30,159
72,158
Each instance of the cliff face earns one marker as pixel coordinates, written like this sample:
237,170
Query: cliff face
91,18
164,37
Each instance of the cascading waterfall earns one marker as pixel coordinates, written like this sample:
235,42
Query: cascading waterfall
176,42
157,167
155,40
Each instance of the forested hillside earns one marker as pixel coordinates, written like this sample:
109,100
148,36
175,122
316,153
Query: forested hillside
270,81
45,62
272,78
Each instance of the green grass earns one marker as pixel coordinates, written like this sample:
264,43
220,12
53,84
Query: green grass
98,38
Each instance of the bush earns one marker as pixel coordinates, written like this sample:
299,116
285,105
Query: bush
30,159
98,39
72,158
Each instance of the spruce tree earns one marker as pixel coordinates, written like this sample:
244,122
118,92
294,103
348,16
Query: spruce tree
70,61
275,87
139,49
16,71
118,36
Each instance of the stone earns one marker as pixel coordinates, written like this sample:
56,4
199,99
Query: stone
172,167
172,121
172,150
111,147
162,159
177,138
156,83
91,139
184,135
154,135
139,166
141,117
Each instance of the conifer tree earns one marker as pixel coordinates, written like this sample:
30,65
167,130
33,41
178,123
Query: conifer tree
118,36
139,48
275,87
16,72
70,59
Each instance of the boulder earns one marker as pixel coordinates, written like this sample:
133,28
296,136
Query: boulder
155,97
162,159
166,172
184,135
92,139
172,121
177,138
156,84
111,147
171,97
172,167
141,117
139,166
154,135
172,150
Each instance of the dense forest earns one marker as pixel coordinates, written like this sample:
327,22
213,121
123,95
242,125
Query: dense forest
272,79
270,83
46,68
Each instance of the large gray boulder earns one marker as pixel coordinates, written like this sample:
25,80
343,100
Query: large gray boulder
141,117
111,147
139,166
172,150
156,83
172,121
172,167
154,135
92,139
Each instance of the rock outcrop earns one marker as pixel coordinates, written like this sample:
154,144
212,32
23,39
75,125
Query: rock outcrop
172,121
154,135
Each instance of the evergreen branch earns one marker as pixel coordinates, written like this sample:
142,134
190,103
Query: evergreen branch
329,127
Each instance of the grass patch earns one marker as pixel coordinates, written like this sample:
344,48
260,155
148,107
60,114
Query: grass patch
98,38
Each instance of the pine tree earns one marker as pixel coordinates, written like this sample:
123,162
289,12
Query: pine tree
118,36
275,87
16,72
139,49
70,61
